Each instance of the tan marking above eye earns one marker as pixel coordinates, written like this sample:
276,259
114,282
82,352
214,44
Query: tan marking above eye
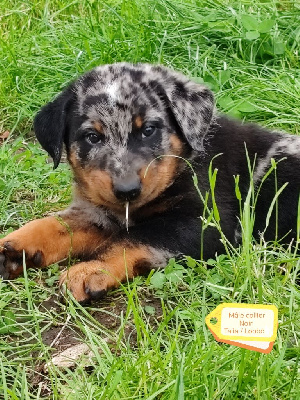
98,127
138,122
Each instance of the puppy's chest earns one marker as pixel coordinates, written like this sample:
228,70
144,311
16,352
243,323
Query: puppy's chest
85,214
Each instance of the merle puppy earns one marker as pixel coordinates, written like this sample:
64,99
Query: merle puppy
128,131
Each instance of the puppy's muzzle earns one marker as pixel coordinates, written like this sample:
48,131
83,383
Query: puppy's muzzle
127,188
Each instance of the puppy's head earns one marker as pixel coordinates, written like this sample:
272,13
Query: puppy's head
117,121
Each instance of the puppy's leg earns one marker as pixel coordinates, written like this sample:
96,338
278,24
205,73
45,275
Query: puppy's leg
92,279
45,241
149,247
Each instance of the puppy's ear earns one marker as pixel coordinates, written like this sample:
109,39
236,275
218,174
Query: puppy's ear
50,124
192,106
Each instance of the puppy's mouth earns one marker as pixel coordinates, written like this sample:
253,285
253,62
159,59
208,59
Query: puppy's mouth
127,192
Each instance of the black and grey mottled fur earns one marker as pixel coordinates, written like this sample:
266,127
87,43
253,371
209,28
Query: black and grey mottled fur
115,95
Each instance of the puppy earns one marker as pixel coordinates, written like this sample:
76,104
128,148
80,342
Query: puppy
131,133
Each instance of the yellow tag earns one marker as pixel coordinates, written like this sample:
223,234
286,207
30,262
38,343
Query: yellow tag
247,322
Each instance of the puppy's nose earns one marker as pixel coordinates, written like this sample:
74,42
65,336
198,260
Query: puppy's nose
127,189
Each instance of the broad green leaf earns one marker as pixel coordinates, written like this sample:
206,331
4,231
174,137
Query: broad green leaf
249,22
224,76
225,102
246,107
190,262
197,79
252,35
279,47
149,310
175,276
211,262
266,25
158,280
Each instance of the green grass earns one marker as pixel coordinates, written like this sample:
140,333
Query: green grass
160,348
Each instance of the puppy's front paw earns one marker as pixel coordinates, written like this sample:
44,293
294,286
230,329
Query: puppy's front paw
11,260
88,281
4,272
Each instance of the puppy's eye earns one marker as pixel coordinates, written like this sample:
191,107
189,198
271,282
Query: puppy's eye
148,130
93,138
